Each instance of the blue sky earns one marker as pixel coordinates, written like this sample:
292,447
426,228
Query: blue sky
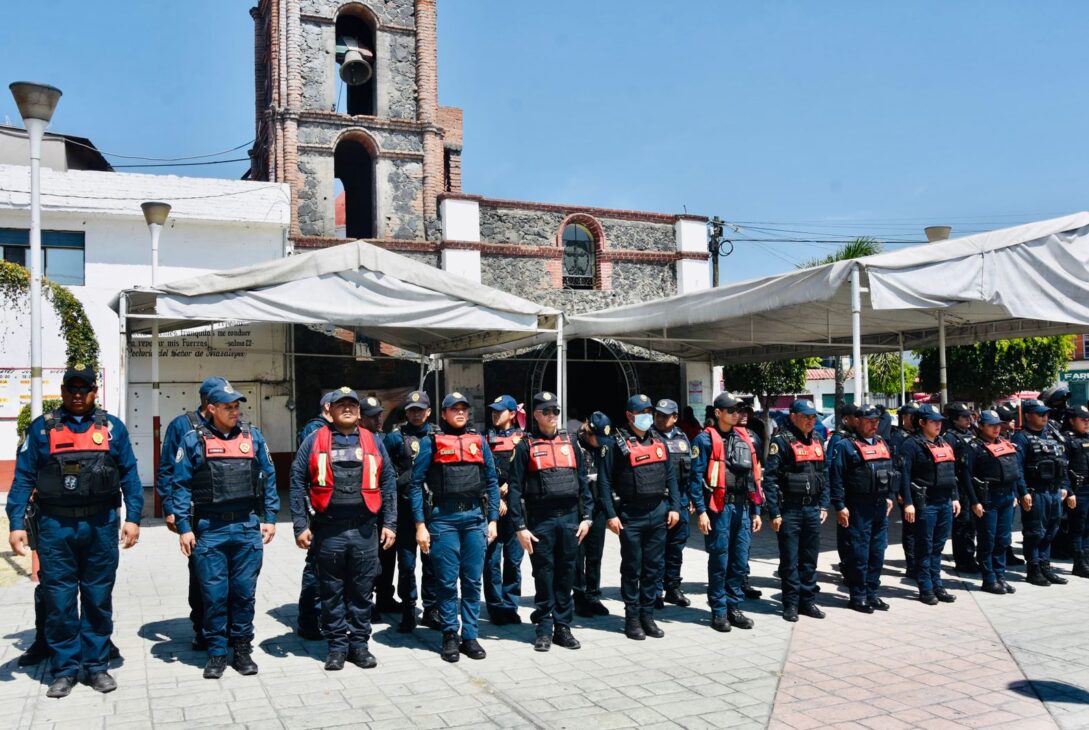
797,120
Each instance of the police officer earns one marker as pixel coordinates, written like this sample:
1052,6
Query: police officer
80,461
551,510
757,429
796,485
370,418
1043,458
639,493
323,418
459,522
347,474
961,437
862,483
900,433
724,485
403,443
1076,434
223,472
172,438
503,561
595,434
1056,398
928,486
680,459
992,482
845,431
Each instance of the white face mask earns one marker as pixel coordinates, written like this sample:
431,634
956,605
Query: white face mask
644,421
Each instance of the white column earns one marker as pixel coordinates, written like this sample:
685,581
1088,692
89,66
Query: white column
35,129
856,331
692,274
561,371
942,380
461,223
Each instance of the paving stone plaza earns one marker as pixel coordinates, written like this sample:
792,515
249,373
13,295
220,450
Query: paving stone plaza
986,661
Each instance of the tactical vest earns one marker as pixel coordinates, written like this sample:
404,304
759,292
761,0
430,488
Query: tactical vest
345,476
1044,460
502,447
874,475
1077,454
679,449
552,472
645,479
962,441
996,466
804,475
457,465
733,471
938,473
229,471
80,470
410,446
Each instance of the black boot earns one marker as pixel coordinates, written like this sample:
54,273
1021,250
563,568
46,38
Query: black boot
37,653
450,646
738,619
1034,576
633,628
243,660
1012,559
408,619
431,618
649,627
1051,575
750,592
676,596
1081,564
215,667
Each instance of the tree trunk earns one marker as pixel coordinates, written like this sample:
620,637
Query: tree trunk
839,389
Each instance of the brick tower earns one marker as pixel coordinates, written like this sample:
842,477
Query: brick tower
378,131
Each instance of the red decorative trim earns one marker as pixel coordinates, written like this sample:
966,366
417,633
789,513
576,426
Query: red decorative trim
631,215
690,217
451,195
692,255
647,257
390,244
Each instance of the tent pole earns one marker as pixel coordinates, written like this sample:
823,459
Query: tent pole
943,381
561,366
123,356
903,382
423,373
856,330
866,378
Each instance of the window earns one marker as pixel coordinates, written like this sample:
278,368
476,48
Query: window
355,30
578,257
62,253
1085,347
353,167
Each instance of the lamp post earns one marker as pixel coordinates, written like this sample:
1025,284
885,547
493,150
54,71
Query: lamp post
36,103
155,214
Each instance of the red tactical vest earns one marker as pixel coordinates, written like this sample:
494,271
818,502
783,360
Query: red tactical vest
553,471
556,453
940,452
717,471
1000,448
457,465
806,452
323,483
873,452
79,469
503,444
229,471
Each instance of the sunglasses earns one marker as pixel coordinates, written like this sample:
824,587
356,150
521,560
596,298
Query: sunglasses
550,411
80,389
730,409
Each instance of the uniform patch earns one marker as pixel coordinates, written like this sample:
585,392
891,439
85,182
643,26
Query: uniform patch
498,399
607,429
415,397
565,450
457,394
473,448
345,389
97,437
244,447
774,449
604,450
415,446
359,453
695,452
228,388
372,402
180,455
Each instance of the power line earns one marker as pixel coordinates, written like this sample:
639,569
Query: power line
188,164
141,198
69,140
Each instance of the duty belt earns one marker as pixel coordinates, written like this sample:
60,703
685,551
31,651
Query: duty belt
735,498
87,510
235,516
320,521
458,505
799,501
544,512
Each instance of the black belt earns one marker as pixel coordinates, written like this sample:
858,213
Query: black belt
544,512
321,521
87,510
1048,488
798,501
458,505
235,516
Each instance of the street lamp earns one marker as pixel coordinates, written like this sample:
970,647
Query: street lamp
155,213
36,103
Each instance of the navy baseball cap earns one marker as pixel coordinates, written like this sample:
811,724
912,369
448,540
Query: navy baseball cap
370,406
224,393
1077,412
417,399
1034,405
727,400
210,383
667,407
454,399
344,393
991,417
907,409
328,398
928,412
600,425
504,403
639,402
868,411
804,407
80,371
544,399
1007,412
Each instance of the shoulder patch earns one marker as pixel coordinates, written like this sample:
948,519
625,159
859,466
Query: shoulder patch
179,455
604,450
695,452
774,449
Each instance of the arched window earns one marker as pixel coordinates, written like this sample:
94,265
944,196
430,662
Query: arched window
579,253
353,166
355,37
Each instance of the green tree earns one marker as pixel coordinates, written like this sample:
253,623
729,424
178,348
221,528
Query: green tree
885,373
79,336
859,247
766,379
986,371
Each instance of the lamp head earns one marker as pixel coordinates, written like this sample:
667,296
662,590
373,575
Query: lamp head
35,101
155,213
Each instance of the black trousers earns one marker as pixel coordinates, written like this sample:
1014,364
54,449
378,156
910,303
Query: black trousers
588,563
347,560
553,560
642,556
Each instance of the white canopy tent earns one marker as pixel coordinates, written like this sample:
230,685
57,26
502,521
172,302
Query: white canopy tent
1029,280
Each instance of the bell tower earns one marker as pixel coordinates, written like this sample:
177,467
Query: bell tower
347,107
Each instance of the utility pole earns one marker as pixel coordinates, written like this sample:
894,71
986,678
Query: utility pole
715,241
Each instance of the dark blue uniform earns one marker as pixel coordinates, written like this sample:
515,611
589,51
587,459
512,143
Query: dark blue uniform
963,531
727,543
1077,456
503,559
1043,461
896,442
403,444
936,484
842,542
863,482
458,529
310,427
680,458
993,482
309,590
588,566
643,502
550,498
77,541
229,546
345,539
172,439
797,491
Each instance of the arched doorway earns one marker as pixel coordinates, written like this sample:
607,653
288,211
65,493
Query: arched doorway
599,377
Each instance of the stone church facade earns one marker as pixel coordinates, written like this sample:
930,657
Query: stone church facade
396,155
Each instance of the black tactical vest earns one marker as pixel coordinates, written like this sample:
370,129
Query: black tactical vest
78,478
218,481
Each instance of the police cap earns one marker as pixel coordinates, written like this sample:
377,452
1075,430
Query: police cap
1077,412
727,400
803,407
370,406
928,412
224,393
504,403
1034,405
639,402
82,372
343,393
957,410
544,399
453,399
991,417
417,399
868,411
600,425
210,383
666,407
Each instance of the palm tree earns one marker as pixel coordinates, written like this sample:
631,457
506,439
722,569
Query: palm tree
859,247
